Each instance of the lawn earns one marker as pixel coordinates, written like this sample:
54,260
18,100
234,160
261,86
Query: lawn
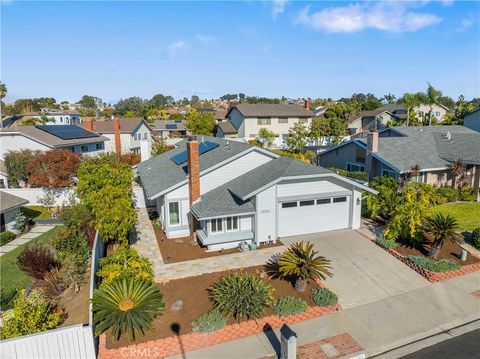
466,213
36,212
12,278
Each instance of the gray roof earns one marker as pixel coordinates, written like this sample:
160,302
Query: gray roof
271,110
160,172
428,147
230,198
49,139
161,125
127,125
227,127
9,201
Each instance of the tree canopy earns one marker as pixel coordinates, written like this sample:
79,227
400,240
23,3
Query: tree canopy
200,123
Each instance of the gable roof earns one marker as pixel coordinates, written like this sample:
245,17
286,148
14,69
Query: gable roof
158,174
127,125
227,127
271,110
161,125
9,201
48,139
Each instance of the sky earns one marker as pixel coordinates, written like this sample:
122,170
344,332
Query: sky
115,49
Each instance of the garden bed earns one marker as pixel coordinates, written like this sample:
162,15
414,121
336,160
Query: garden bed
184,249
193,292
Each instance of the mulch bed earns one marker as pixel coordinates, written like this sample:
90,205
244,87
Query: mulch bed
184,249
449,251
193,292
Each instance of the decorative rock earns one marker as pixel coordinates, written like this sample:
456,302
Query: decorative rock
178,305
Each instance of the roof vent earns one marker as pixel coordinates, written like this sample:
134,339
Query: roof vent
449,135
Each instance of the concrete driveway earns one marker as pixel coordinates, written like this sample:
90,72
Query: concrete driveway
362,271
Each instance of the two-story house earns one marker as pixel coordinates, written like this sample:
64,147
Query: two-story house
248,119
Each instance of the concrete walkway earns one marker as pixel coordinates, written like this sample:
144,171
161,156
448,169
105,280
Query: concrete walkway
35,232
378,326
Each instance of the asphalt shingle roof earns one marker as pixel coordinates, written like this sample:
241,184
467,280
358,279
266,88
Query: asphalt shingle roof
227,199
160,172
272,110
227,127
161,125
9,201
127,125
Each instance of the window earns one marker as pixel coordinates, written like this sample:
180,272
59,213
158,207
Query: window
174,213
323,200
232,223
310,202
253,135
84,148
61,119
283,120
339,199
99,146
145,136
217,225
289,204
388,173
418,179
359,154
264,121
353,167
302,120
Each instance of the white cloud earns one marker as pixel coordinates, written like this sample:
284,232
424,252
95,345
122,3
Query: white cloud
466,23
278,7
176,46
205,39
447,2
392,17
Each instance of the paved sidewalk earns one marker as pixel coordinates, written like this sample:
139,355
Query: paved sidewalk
35,232
377,327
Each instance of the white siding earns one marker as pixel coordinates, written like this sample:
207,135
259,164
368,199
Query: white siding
356,209
265,222
10,218
307,188
17,142
246,223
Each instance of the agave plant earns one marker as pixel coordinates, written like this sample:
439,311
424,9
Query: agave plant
301,263
127,306
442,228
241,295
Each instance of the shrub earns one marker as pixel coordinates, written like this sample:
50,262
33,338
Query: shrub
130,158
21,223
450,194
289,305
36,261
16,166
6,237
124,262
476,238
241,295
126,306
466,194
32,314
359,175
324,297
209,322
385,243
256,143
53,283
443,265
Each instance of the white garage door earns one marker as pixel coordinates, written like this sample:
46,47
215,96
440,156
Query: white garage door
313,215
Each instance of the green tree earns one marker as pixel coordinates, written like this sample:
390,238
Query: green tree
200,123
3,93
389,98
88,102
297,139
442,228
16,165
133,104
266,136
384,203
126,306
301,263
158,101
159,146
410,101
433,97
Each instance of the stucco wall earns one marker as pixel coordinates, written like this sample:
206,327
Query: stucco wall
16,142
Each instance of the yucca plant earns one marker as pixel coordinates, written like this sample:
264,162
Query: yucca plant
126,305
301,263
241,295
442,228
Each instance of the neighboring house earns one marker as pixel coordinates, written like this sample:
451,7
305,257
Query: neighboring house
395,151
472,120
124,134
225,130
9,208
220,115
319,110
44,138
439,111
63,117
3,175
228,192
248,119
375,119
169,128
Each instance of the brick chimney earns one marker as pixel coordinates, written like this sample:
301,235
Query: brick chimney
307,104
89,125
116,133
193,169
372,141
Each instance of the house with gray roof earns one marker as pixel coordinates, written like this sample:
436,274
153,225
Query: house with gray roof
227,192
396,151
472,120
169,128
9,208
248,119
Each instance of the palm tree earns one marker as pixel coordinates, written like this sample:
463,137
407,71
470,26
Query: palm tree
433,97
410,101
3,93
442,228
458,170
415,171
301,263
125,306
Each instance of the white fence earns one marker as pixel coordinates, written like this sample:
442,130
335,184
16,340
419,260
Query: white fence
139,197
76,341
33,195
